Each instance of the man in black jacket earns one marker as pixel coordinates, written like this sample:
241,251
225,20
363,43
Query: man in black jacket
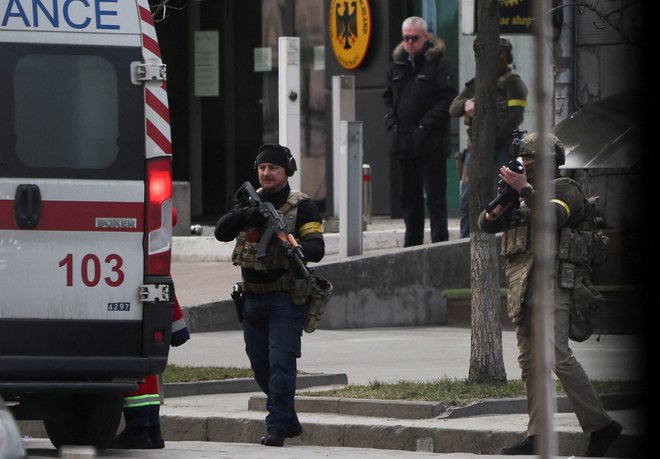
420,87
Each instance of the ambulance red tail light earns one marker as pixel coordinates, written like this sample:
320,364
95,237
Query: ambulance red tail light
159,216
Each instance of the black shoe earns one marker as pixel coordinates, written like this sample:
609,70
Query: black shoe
156,437
602,439
272,439
525,447
132,438
294,430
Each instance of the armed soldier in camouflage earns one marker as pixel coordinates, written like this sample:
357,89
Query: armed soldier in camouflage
511,104
572,284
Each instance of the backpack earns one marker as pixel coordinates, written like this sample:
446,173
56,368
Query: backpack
586,298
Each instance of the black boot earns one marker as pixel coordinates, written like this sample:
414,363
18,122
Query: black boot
156,437
132,438
525,447
601,440
273,438
153,412
294,430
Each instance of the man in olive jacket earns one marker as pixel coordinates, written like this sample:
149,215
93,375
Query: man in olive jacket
420,87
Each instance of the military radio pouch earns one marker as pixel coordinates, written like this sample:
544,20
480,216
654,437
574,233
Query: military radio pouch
320,291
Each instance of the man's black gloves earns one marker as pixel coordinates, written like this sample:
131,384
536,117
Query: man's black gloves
253,216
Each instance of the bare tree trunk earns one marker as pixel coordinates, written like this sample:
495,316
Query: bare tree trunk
486,359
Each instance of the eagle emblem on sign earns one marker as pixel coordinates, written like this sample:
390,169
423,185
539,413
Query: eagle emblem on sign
347,28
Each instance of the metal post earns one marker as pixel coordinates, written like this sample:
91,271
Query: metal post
543,245
288,83
350,210
343,109
195,173
366,193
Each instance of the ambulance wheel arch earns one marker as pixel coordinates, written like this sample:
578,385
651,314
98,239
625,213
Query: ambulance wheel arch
84,419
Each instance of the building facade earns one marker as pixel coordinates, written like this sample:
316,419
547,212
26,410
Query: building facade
222,62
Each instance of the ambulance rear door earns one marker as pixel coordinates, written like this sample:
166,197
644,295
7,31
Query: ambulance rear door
73,200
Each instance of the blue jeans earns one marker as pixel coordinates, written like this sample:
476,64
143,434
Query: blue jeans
272,330
501,158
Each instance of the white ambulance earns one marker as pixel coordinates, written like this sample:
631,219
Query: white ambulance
86,295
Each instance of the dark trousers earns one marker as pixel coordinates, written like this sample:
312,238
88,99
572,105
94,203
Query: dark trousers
272,330
502,158
424,178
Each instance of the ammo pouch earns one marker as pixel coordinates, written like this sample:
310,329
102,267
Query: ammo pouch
320,290
515,241
574,246
585,300
300,290
245,255
517,273
582,247
584,309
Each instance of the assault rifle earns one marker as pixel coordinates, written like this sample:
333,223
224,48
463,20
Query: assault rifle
275,226
506,193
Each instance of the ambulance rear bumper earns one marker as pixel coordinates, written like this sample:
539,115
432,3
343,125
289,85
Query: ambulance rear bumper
62,387
95,369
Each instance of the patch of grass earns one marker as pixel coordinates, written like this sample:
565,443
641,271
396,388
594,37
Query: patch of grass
176,373
449,391
456,392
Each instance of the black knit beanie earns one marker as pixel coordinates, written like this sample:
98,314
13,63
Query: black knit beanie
273,153
276,154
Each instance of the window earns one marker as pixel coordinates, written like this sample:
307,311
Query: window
66,110
70,111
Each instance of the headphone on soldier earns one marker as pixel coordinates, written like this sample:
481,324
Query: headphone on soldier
508,46
276,154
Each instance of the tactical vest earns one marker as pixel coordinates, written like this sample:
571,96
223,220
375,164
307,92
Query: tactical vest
578,249
247,245
516,248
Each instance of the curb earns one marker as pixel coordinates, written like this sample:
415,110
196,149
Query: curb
611,402
358,432
415,409
210,317
398,409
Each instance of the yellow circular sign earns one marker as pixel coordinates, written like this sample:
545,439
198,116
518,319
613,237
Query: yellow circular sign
349,23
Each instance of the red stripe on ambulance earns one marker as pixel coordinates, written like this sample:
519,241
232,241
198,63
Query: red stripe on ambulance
80,216
158,137
158,106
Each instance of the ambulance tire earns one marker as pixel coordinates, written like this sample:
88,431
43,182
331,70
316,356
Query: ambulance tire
85,419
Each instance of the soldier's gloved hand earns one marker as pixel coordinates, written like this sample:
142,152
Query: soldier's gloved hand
253,216
287,249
